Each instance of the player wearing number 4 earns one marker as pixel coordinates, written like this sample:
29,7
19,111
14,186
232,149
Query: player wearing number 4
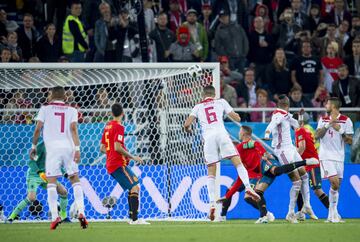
59,124
334,130
217,143
36,177
117,160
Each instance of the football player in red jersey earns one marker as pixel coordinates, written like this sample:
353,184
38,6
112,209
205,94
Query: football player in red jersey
117,160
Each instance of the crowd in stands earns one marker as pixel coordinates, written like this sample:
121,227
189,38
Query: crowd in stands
309,49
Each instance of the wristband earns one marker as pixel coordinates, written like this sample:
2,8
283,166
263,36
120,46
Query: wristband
33,147
77,148
327,126
341,131
267,135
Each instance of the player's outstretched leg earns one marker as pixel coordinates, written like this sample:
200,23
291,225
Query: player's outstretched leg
17,210
79,200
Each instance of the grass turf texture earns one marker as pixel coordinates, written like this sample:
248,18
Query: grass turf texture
233,230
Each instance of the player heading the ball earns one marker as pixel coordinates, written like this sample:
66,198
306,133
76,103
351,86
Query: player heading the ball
117,161
217,143
58,122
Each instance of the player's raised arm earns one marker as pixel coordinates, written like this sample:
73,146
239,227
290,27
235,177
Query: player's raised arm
118,148
229,111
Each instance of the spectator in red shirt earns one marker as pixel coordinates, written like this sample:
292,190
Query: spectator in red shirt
330,63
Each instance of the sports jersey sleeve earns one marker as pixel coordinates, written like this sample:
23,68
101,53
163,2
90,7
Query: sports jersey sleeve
41,114
194,111
74,117
259,148
320,123
349,127
294,123
227,108
103,138
275,120
119,135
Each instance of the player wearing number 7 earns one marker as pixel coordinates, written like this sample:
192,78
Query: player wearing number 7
334,130
59,124
217,143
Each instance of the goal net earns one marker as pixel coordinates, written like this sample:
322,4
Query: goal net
156,99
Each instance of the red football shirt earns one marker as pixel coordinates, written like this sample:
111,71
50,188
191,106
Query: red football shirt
113,132
251,153
310,150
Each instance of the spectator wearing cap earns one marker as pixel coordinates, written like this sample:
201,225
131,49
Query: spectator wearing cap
163,38
247,88
74,43
260,50
330,64
278,75
231,40
176,16
237,10
48,47
230,77
198,34
346,88
27,37
227,92
262,101
183,50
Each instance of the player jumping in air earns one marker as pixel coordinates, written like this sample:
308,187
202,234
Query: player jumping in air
60,133
217,143
117,160
305,143
285,151
334,130
35,178
262,169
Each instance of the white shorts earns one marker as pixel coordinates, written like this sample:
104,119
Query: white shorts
218,146
58,158
287,155
330,168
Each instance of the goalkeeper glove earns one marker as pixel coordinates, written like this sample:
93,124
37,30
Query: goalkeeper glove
43,176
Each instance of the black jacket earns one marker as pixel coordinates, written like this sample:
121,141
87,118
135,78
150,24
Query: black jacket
163,40
46,51
28,46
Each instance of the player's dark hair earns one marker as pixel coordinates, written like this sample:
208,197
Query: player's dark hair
116,109
283,101
58,93
209,91
247,129
336,101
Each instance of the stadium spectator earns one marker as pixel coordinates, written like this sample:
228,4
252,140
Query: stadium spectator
176,16
300,17
338,13
346,88
6,25
227,92
48,47
320,98
314,18
105,35
12,44
74,43
198,34
306,71
5,55
230,77
330,63
163,38
343,35
56,13
236,8
262,101
353,61
286,30
247,89
149,16
27,36
260,50
207,16
183,50
263,11
297,100
102,101
231,40
321,43
278,75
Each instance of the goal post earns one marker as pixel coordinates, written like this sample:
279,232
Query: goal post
157,98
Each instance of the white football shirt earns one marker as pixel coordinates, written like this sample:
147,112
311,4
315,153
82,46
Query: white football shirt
332,145
279,126
57,117
210,113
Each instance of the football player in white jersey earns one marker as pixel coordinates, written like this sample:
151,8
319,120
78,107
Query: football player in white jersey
334,130
59,124
217,143
280,128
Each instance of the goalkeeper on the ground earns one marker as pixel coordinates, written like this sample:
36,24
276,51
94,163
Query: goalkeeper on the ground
36,177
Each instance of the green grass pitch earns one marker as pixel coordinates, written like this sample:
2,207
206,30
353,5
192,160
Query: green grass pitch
233,230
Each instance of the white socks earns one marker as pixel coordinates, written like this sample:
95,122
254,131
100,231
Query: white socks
333,200
243,174
52,200
211,189
305,190
79,197
294,192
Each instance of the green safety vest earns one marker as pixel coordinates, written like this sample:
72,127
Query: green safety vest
68,38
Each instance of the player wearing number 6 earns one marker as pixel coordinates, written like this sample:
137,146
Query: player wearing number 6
217,143
59,124
334,130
